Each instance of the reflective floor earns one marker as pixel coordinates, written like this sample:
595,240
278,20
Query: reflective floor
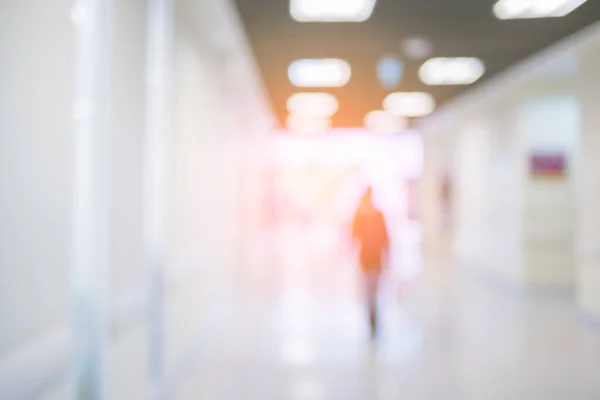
301,334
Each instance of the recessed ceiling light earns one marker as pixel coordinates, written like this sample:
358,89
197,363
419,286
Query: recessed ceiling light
380,121
521,9
451,71
409,104
331,10
326,72
417,48
312,104
308,125
389,72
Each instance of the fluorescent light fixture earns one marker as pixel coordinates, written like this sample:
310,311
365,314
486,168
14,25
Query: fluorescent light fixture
308,125
331,10
325,72
451,71
409,104
417,48
380,121
522,9
312,104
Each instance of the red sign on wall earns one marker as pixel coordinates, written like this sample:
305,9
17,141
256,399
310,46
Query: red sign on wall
548,166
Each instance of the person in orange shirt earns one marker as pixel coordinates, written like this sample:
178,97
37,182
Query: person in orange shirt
370,232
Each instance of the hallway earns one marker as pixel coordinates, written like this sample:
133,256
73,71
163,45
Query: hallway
450,335
179,180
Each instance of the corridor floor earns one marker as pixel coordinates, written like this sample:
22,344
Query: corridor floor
448,335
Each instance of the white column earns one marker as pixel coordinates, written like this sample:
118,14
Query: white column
90,269
588,191
431,192
158,126
230,106
435,199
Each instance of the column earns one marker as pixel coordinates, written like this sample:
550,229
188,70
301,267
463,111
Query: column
431,210
90,268
158,127
588,194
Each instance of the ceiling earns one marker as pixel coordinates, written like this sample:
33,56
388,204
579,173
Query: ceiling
455,28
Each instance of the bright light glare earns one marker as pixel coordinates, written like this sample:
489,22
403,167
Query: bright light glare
79,13
384,122
308,125
409,104
451,71
298,353
312,104
326,72
308,390
331,10
521,9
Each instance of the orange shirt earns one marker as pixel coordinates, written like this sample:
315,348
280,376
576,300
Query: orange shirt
370,230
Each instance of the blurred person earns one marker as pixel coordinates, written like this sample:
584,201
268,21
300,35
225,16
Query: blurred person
370,232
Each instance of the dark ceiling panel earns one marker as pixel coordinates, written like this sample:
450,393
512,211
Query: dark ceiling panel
455,27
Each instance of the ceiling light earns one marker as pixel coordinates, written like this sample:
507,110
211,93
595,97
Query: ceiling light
384,122
389,72
518,9
308,125
312,104
451,71
326,72
331,10
409,104
417,48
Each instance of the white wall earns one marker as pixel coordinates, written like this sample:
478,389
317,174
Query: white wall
128,347
504,221
221,117
437,156
588,86
480,152
550,124
503,215
126,163
35,168
550,102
